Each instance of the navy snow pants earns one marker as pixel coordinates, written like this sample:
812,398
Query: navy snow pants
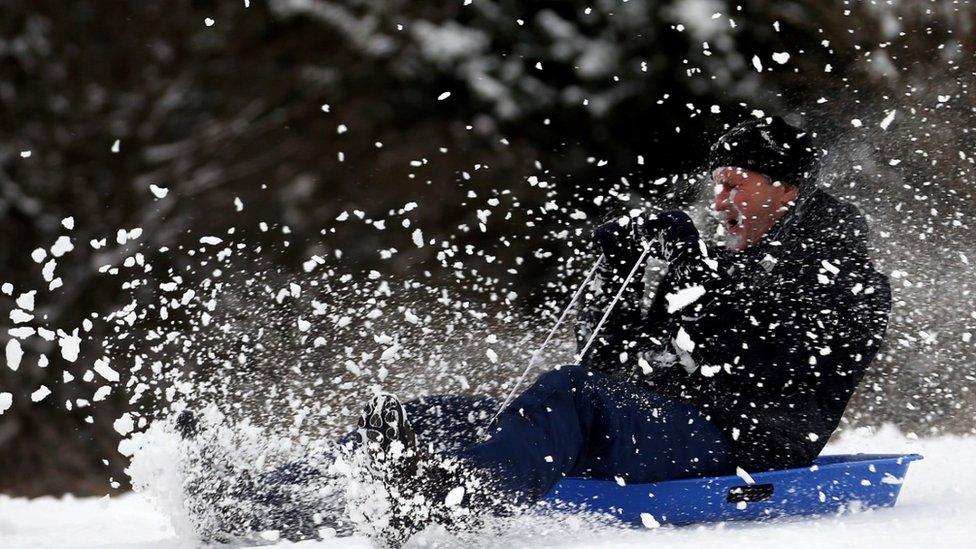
570,422
581,423
575,422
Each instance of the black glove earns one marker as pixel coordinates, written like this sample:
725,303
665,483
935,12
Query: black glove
672,234
617,242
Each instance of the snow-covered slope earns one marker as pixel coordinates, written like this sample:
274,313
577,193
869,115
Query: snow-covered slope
937,508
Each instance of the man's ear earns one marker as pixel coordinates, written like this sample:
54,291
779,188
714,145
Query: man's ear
790,194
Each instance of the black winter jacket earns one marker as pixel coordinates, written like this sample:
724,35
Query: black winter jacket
769,343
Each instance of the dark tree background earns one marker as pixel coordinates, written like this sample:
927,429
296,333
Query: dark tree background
303,109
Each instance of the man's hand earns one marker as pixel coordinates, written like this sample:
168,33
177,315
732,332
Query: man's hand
616,240
669,233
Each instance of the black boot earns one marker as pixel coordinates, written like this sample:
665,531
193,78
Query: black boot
389,439
229,503
214,490
423,489
187,425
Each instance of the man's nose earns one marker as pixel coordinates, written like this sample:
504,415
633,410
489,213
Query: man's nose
721,201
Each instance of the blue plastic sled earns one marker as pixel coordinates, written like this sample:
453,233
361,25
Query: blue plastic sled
834,484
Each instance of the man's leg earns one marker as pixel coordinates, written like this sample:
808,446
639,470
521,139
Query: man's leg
301,497
576,422
449,422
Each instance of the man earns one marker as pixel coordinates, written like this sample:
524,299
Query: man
789,315
746,358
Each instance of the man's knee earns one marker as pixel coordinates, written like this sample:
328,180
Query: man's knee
570,378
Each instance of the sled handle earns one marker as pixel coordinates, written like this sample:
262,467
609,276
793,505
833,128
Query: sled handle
538,352
749,493
613,303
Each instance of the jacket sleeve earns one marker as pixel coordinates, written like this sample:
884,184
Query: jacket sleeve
672,238
627,334
624,320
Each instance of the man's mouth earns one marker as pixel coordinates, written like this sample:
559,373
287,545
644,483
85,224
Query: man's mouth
732,223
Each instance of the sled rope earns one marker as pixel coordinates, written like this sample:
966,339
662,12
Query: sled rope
616,299
562,317
538,352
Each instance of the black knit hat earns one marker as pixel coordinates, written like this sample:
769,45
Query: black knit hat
770,146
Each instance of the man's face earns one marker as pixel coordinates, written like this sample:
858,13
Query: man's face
748,203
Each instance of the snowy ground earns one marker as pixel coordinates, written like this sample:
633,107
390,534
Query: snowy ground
937,508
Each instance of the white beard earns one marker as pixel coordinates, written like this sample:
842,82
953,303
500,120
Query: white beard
733,243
